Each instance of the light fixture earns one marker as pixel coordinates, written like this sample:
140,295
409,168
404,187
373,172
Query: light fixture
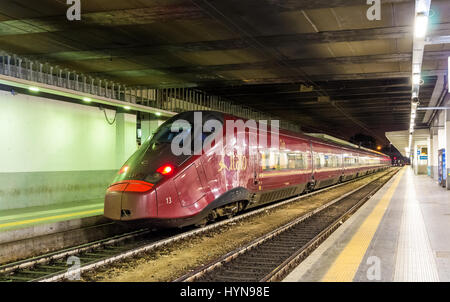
421,24
57,91
422,6
416,68
86,99
158,113
416,79
414,94
126,107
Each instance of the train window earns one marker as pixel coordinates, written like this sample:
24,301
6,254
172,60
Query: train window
273,161
333,161
292,161
165,134
317,162
264,161
283,160
300,161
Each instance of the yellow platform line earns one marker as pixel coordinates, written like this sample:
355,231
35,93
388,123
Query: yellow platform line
22,222
346,264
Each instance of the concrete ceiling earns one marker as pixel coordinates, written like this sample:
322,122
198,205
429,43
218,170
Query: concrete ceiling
256,52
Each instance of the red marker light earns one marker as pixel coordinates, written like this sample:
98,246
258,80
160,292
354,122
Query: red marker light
165,170
138,187
123,170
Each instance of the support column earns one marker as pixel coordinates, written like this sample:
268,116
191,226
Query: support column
149,124
415,157
447,145
430,154
434,153
125,137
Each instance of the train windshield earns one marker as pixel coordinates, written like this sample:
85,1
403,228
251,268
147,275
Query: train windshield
156,150
166,133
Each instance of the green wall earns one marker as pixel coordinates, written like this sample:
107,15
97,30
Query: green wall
53,151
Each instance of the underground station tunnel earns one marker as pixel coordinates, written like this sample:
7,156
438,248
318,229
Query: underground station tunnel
224,141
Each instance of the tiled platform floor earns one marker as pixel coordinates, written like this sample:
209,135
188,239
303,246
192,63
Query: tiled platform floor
401,234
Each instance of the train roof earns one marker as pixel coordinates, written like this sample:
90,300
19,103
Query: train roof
317,137
341,142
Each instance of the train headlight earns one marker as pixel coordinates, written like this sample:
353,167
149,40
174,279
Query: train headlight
165,170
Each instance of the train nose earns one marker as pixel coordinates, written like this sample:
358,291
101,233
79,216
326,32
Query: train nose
130,200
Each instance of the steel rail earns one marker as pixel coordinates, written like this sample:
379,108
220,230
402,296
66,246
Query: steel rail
8,270
297,256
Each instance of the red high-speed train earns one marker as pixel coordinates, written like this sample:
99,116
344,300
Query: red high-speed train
159,188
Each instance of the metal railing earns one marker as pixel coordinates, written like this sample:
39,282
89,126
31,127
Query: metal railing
170,99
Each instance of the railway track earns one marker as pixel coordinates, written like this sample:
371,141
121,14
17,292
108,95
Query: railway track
55,266
272,256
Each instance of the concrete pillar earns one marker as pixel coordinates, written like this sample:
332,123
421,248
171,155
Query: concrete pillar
125,137
430,155
434,153
415,165
149,124
447,145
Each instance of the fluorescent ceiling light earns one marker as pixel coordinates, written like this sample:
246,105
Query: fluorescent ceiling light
416,79
87,99
34,88
422,6
158,113
416,68
420,27
126,107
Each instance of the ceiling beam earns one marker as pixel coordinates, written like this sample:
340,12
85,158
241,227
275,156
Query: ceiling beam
334,94
294,88
316,4
324,77
121,17
286,40
385,58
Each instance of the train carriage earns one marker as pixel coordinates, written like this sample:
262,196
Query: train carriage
159,188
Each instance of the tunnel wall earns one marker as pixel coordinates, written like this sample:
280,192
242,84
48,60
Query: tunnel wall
55,152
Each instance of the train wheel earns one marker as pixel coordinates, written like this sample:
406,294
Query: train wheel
310,187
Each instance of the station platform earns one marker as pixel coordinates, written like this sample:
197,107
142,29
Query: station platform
32,216
400,234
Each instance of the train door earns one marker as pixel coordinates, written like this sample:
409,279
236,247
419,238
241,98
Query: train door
254,161
442,168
